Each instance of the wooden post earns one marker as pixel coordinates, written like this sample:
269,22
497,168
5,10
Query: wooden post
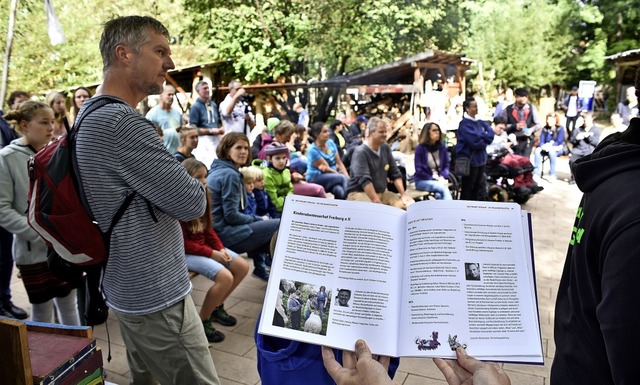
15,366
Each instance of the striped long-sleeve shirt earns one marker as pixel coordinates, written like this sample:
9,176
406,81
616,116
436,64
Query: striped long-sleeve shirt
119,152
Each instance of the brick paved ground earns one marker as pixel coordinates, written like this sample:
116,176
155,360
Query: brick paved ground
235,358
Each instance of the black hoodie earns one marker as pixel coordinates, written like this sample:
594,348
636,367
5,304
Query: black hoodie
597,316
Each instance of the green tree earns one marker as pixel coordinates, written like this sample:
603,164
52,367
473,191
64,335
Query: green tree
587,47
518,40
300,40
36,66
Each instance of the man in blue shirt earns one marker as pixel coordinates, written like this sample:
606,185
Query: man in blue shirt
204,115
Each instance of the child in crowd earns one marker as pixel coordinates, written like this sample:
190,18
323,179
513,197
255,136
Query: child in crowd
264,204
277,177
207,255
248,179
188,143
255,205
57,101
47,293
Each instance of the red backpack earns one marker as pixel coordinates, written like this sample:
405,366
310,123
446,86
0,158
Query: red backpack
58,211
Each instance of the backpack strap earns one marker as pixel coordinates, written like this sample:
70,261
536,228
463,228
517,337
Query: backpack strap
73,132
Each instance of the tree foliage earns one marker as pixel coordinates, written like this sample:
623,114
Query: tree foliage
269,40
524,42
517,40
38,67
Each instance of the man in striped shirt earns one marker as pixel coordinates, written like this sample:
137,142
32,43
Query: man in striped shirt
118,152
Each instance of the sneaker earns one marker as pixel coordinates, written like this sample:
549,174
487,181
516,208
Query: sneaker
262,274
221,316
13,311
212,334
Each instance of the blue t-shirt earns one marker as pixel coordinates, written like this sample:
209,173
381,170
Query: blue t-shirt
314,153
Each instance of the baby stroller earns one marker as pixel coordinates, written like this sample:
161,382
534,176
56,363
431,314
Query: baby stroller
500,180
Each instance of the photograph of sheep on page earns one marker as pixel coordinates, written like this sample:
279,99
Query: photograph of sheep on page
302,306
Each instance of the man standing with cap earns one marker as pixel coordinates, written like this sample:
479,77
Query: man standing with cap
522,120
572,105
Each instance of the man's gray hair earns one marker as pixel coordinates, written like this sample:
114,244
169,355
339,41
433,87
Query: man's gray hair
200,84
131,31
233,83
374,123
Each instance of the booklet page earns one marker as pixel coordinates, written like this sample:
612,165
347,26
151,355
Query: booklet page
339,262
467,282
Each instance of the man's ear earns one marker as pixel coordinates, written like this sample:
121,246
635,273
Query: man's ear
124,54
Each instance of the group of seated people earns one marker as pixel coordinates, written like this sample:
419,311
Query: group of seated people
553,142
433,160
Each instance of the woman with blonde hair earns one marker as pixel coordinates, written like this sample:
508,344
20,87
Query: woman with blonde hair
57,101
35,121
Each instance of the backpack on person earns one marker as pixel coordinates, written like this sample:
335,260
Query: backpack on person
60,214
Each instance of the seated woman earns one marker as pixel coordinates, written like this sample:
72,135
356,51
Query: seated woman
240,232
432,162
324,165
551,144
336,129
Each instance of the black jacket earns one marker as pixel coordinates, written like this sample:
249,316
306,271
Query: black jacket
597,316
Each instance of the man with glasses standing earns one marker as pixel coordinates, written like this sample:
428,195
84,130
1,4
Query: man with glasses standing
235,112
204,115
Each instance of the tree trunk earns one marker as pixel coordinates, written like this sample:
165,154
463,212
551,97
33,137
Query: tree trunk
7,52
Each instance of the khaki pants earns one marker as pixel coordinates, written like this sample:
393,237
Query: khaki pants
388,198
168,346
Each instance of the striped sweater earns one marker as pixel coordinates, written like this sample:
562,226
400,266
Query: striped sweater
118,152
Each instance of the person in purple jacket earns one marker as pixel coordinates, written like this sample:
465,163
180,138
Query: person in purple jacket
432,162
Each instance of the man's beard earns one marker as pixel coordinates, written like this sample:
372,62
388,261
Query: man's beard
150,88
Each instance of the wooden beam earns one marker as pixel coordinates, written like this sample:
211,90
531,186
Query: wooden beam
15,366
434,65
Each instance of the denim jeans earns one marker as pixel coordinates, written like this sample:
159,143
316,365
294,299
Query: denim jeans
537,161
440,191
206,266
334,183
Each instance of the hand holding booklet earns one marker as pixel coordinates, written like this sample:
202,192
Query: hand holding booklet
418,283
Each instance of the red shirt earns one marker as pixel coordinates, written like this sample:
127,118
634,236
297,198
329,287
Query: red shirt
203,243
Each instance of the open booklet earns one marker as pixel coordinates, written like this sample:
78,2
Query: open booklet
416,283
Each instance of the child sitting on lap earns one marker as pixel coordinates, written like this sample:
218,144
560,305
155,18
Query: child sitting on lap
264,204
